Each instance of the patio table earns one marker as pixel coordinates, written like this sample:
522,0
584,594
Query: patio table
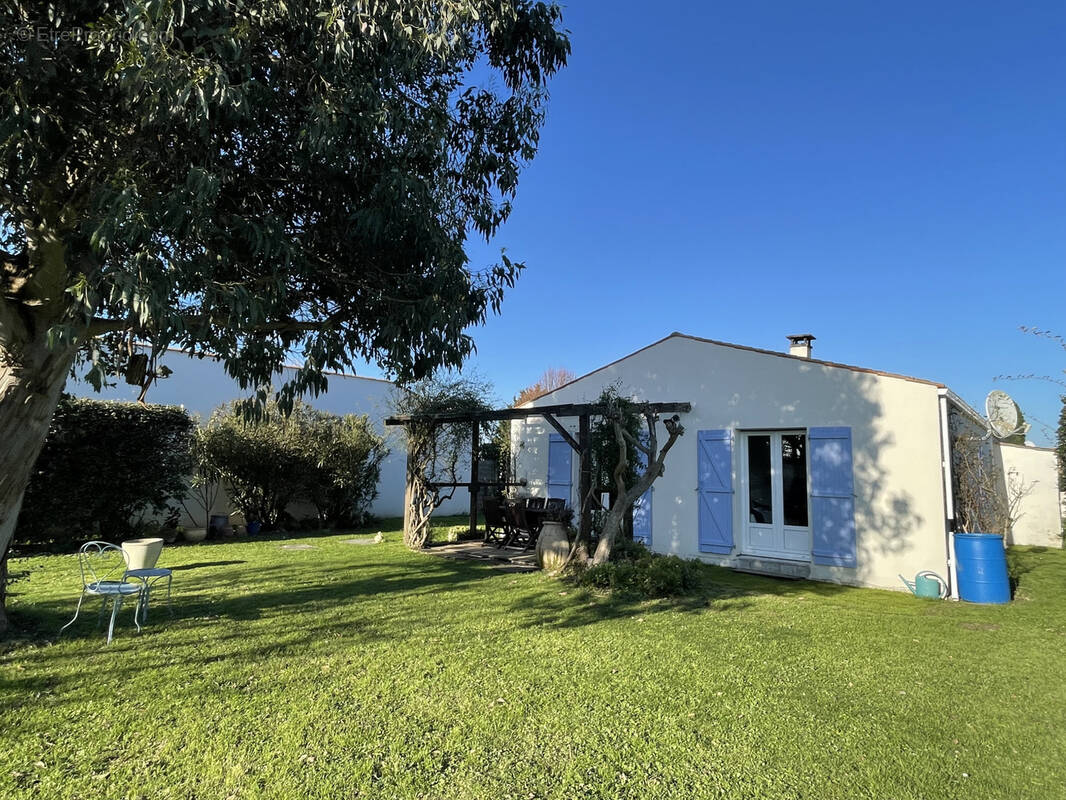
148,578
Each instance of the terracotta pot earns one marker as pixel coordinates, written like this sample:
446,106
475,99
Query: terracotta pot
143,553
195,534
553,546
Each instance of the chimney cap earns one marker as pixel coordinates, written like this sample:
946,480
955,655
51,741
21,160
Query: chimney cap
801,338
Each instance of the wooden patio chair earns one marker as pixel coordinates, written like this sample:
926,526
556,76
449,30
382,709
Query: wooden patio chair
526,525
497,526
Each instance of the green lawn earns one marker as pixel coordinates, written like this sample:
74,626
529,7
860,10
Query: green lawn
373,672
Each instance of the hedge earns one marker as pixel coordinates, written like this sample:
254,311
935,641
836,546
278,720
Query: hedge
104,466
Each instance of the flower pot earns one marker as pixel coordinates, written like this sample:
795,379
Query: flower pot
143,553
195,534
216,523
553,546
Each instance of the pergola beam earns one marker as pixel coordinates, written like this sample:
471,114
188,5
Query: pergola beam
551,420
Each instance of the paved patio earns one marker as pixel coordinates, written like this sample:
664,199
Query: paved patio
508,559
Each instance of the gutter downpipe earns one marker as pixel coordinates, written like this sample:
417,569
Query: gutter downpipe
949,498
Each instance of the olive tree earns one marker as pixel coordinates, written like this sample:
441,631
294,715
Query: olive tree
253,180
638,460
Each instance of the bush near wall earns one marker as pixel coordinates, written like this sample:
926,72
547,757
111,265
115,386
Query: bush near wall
312,456
103,466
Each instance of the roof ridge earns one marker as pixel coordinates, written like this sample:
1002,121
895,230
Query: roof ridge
679,334
837,364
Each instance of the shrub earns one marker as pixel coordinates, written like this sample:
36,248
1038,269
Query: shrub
257,460
103,466
203,482
332,462
633,569
342,457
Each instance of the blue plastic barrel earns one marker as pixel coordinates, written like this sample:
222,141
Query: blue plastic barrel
982,568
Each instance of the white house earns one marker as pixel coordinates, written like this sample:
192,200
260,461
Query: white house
788,465
201,385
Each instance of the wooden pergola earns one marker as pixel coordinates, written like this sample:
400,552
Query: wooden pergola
582,445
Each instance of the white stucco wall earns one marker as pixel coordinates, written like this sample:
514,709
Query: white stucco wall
201,385
1038,522
899,496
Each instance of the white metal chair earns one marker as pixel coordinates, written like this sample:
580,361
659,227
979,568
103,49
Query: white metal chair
103,567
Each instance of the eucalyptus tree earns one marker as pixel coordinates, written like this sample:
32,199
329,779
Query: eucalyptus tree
253,179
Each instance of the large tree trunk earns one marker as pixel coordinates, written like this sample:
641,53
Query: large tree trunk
31,379
612,526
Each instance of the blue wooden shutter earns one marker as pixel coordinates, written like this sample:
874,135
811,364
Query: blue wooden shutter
560,457
642,505
714,469
832,497
642,518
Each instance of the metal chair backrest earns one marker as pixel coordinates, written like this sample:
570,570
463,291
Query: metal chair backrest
519,502
102,561
556,504
535,502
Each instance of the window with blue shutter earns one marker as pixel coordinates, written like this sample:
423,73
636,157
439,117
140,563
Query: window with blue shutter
642,505
714,470
560,460
832,497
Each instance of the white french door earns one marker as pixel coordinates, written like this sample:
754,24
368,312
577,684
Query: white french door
775,495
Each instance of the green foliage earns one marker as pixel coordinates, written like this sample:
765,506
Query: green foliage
103,465
255,179
498,450
605,445
204,480
434,450
332,462
633,569
343,458
438,449
1060,445
258,461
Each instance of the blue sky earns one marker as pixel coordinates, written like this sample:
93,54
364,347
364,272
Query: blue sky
889,177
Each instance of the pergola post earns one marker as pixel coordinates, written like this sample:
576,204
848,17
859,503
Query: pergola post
584,482
408,491
475,486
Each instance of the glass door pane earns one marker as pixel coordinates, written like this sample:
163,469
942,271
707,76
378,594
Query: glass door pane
760,485
794,478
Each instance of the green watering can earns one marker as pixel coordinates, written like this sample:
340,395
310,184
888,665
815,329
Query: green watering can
927,584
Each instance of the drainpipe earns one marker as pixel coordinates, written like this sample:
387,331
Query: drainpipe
949,496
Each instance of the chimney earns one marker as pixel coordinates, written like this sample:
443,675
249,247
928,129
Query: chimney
800,345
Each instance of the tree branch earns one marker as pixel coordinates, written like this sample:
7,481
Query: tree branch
101,325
